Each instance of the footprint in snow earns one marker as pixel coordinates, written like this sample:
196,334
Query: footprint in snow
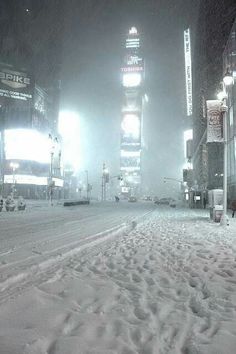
153,307
193,282
140,313
150,281
136,278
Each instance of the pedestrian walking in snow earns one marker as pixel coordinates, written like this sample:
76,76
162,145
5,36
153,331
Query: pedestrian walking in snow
233,207
1,203
204,202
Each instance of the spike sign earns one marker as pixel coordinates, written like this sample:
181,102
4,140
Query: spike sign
15,84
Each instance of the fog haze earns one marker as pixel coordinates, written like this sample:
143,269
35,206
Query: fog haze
91,83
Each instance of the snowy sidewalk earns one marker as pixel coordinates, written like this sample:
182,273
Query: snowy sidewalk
168,286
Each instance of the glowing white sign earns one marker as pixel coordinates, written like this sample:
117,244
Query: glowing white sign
132,79
188,71
130,168
131,125
30,179
27,144
125,153
133,30
188,135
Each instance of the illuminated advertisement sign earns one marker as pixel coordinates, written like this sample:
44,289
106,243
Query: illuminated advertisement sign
131,69
130,162
188,71
214,121
131,128
27,144
127,153
132,43
132,101
132,63
131,79
30,179
14,84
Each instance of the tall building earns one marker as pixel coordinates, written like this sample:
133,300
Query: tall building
132,72
212,31
29,95
229,59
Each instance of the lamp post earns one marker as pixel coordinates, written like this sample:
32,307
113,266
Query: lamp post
14,166
87,185
227,81
105,180
53,141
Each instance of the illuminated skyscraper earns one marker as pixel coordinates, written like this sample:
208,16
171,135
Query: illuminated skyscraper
132,74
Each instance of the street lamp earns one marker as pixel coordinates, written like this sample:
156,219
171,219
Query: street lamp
228,78
105,180
227,81
14,166
87,184
53,141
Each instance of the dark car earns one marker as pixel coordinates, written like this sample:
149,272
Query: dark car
163,201
132,199
172,203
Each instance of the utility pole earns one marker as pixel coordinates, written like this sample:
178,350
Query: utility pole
87,185
105,180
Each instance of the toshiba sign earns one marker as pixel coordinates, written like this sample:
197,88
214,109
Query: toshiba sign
14,84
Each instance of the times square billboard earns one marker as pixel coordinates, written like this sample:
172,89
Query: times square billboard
131,129
15,84
16,94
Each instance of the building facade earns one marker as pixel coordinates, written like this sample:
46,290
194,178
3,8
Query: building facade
229,63
29,96
212,32
132,74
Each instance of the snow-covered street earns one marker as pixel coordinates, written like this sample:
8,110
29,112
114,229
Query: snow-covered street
117,278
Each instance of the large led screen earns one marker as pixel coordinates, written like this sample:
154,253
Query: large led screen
27,144
130,129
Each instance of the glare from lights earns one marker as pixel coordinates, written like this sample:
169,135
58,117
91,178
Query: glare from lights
130,168
125,153
228,79
27,144
132,79
188,135
146,98
133,30
188,166
131,125
14,165
30,179
221,95
69,129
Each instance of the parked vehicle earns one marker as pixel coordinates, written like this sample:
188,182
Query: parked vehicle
163,201
132,199
172,203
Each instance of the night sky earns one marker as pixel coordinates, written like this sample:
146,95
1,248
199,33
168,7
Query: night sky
92,55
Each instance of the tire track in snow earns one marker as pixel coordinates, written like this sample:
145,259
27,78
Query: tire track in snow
52,260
